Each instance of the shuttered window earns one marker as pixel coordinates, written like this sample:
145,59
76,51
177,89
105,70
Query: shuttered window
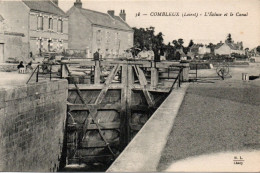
40,23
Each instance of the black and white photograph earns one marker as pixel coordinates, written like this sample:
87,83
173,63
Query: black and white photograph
129,86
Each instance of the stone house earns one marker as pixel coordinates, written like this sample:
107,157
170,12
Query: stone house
91,31
32,27
198,50
203,50
229,48
11,40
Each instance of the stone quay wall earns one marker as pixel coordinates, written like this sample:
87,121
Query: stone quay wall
32,125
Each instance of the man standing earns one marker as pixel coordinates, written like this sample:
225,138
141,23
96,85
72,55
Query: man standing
150,54
96,55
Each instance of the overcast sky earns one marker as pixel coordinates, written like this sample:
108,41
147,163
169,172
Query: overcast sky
202,29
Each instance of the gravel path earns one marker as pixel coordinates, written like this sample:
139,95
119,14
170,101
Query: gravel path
215,117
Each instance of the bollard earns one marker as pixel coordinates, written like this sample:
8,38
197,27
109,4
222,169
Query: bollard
245,77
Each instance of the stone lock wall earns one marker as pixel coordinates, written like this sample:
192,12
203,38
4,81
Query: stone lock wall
32,124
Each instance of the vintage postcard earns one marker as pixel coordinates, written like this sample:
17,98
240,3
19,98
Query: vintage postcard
130,86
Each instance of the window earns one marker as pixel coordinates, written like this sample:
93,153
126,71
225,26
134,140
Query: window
98,36
40,23
108,37
117,38
50,23
60,26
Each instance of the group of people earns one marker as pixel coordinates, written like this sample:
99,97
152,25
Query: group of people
28,68
146,54
142,55
128,54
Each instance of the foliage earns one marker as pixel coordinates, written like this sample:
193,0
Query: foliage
169,50
238,56
229,38
258,49
208,56
147,38
212,47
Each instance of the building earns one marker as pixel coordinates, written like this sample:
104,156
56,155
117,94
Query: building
32,28
12,43
92,31
203,50
229,48
198,50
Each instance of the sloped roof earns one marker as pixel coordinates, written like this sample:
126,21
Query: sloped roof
103,19
218,45
44,6
232,46
1,18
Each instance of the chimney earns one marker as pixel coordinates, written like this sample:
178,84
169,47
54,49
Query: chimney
122,14
56,2
111,13
78,4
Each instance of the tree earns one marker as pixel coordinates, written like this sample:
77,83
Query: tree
247,51
178,44
169,51
258,49
147,38
229,38
191,43
212,47
180,41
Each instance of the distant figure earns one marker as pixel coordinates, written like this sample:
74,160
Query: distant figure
20,65
21,68
29,67
127,54
150,54
143,54
96,55
157,54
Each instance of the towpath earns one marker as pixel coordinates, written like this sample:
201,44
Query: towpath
217,121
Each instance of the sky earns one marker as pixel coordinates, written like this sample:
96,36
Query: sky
201,29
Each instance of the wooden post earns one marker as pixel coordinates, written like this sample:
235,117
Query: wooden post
130,81
123,111
64,71
185,72
154,77
97,73
37,74
50,71
131,77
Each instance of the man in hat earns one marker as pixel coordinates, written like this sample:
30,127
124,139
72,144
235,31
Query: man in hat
96,55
